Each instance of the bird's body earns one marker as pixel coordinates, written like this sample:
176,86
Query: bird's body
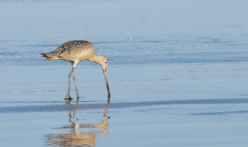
77,51
72,51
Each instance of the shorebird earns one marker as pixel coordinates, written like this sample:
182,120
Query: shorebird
77,51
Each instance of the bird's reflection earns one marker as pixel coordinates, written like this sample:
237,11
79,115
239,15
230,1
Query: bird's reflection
77,136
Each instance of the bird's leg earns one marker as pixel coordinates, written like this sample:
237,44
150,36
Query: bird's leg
75,83
68,95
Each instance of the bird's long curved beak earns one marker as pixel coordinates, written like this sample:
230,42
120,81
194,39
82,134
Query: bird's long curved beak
106,80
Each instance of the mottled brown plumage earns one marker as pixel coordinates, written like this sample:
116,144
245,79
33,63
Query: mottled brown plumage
77,51
71,51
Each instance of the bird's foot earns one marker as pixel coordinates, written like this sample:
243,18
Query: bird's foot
68,97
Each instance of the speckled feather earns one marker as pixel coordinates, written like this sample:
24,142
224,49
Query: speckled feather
71,51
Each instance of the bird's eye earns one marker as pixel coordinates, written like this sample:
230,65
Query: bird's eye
106,62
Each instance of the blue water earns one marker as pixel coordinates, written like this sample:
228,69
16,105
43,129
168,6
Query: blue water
130,32
157,99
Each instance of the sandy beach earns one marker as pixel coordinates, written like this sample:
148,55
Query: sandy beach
177,73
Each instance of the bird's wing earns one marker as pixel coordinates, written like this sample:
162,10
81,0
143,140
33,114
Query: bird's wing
70,49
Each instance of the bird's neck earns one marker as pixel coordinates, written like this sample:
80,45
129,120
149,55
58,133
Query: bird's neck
95,58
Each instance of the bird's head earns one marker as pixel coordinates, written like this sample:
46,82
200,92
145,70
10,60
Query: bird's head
103,62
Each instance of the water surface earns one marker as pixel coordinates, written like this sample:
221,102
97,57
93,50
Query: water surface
177,72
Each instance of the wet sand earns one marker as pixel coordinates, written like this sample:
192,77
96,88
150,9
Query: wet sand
162,105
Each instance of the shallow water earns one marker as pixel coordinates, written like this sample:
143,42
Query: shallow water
161,32
177,72
168,105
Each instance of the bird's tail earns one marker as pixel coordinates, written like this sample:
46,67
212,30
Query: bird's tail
47,57
43,54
